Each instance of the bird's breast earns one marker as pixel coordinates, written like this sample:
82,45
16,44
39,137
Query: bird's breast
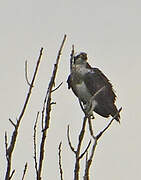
82,92
81,70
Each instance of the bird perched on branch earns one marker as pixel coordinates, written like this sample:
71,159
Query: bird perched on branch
92,88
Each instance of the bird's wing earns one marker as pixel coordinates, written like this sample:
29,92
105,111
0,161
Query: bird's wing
71,84
95,80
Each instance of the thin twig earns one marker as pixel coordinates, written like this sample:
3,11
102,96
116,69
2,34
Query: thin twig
90,127
26,76
69,141
35,145
12,122
6,144
57,87
60,164
12,143
47,110
89,161
86,156
72,56
12,174
24,172
101,133
96,138
81,156
43,111
81,106
77,157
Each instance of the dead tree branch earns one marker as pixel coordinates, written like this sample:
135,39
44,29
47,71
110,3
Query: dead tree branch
77,156
69,141
10,148
47,110
89,161
60,164
24,172
90,127
12,174
57,87
102,132
35,145
12,122
96,138
71,59
26,76
85,151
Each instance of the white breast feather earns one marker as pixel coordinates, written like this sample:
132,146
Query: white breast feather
85,96
83,92
82,70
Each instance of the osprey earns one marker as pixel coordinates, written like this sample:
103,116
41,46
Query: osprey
92,88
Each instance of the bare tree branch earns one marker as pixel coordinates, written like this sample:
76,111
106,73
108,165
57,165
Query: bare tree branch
69,141
101,133
12,123
60,164
24,172
43,111
12,174
89,161
71,59
6,143
81,105
26,76
57,87
47,110
90,127
35,145
10,149
81,156
96,138
77,155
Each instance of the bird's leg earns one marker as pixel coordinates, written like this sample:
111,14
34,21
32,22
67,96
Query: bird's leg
89,107
82,106
91,104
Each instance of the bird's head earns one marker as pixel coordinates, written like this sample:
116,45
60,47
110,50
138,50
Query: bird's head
80,58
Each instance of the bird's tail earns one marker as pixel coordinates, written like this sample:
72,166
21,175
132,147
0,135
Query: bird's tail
115,114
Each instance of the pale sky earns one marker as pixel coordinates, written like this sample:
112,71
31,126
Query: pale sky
109,31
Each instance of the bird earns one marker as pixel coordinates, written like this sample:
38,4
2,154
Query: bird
92,88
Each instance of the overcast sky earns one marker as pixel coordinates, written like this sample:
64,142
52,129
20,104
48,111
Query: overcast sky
109,31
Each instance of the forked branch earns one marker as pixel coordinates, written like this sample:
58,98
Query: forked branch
96,138
47,110
10,148
77,152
